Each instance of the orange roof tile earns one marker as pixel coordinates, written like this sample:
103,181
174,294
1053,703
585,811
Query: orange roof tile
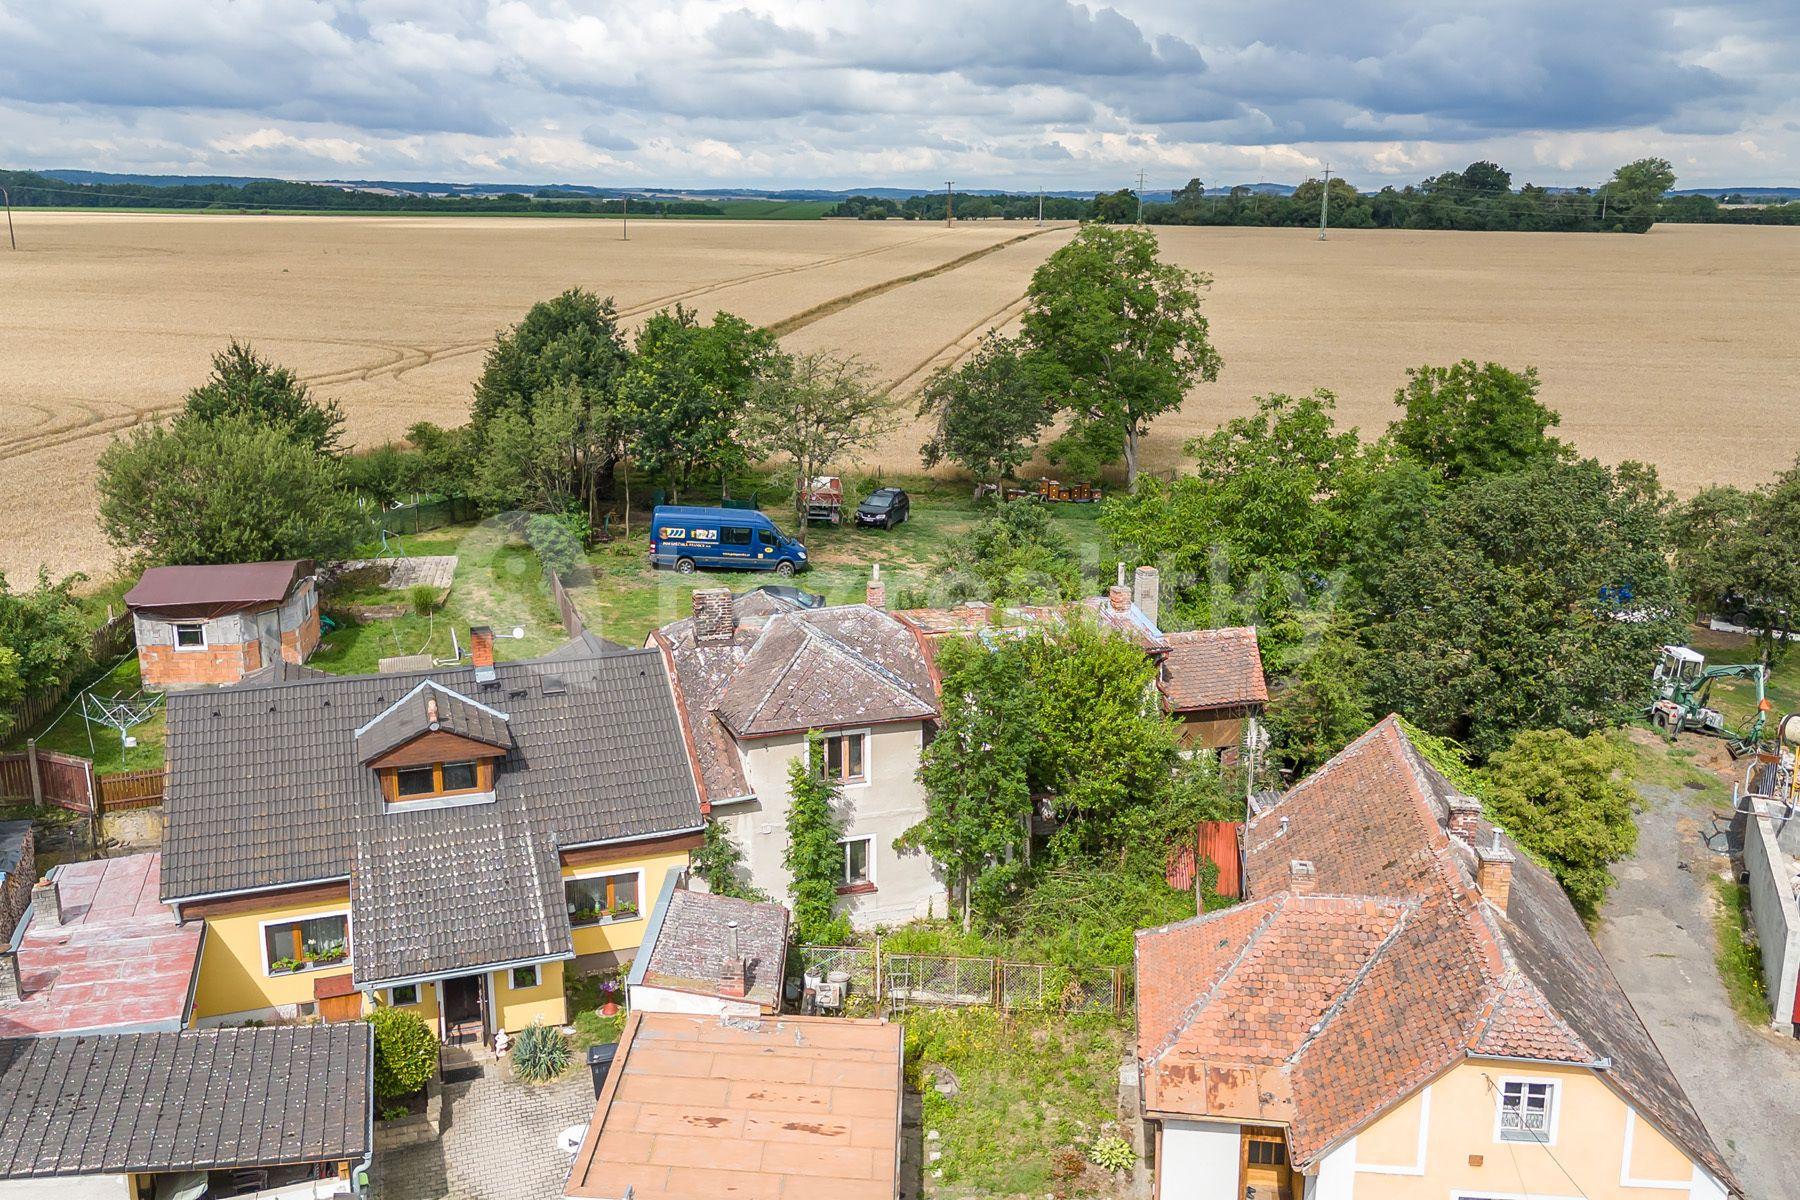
772,1107
1212,668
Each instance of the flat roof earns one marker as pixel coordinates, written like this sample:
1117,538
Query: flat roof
766,1106
119,961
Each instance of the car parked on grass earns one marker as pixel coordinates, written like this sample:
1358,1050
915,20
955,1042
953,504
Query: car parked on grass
721,539
886,507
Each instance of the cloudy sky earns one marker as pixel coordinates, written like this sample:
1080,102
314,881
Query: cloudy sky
1020,93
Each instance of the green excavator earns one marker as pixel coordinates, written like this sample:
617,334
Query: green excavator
1684,698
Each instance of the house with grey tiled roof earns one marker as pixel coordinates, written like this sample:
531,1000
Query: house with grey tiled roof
753,674
710,953
445,840
1406,1004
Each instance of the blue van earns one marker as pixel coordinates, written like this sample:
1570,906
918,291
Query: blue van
721,539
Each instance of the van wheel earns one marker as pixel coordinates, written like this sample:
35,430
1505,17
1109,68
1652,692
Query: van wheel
784,568
684,566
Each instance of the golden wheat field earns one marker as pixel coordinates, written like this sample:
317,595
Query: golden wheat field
1679,347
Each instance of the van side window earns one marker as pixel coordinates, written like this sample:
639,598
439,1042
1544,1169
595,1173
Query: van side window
765,537
734,535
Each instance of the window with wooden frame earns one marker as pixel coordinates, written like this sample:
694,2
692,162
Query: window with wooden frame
429,781
601,899
846,757
306,944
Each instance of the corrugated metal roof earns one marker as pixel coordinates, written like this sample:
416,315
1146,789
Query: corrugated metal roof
215,589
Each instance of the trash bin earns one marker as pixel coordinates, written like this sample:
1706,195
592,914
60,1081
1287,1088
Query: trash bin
600,1059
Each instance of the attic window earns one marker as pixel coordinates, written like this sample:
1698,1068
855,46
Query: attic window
429,781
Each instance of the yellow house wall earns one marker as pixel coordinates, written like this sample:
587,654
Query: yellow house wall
426,1009
515,1009
624,937
1457,1116
233,977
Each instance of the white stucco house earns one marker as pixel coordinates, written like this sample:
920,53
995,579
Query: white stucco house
753,674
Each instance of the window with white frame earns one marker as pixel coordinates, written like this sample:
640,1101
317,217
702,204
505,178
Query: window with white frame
403,994
524,978
1527,1108
846,757
306,944
598,899
190,635
859,855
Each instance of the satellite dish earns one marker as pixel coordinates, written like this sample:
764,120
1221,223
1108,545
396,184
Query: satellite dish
519,631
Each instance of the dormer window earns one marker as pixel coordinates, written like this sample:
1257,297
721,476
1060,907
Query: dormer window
435,746
430,780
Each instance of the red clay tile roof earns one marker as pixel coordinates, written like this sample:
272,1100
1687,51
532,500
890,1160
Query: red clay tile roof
1212,668
1324,1010
118,962
701,1106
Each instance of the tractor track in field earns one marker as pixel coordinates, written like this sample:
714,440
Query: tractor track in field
953,352
398,359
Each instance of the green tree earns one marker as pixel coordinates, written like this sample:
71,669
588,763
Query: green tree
1015,553
1496,616
1743,547
815,411
986,412
1639,186
406,1052
244,384
1115,208
685,389
1325,705
814,859
443,462
559,366
1486,179
1567,801
975,770
43,639
1467,420
558,539
1117,333
719,861
223,491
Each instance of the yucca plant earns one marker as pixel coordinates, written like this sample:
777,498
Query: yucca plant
539,1053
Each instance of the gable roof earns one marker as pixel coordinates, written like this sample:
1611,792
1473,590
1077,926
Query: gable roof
1212,668
214,590
430,708
196,1100
267,787
1450,975
687,945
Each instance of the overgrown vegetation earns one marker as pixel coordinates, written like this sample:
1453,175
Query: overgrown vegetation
1569,801
813,857
1738,955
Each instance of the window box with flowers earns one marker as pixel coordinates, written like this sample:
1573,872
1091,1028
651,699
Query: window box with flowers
308,944
602,899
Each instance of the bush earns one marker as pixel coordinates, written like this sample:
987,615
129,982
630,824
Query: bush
1566,800
406,1052
1017,553
558,540
539,1053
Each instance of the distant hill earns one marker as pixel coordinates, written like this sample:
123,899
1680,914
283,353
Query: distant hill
157,180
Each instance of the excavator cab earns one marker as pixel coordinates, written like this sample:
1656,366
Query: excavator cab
1679,670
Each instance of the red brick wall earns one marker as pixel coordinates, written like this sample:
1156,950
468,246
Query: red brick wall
297,645
165,666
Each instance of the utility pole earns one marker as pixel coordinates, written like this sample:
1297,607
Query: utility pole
1324,195
7,197
949,202
1140,198
1040,206
625,222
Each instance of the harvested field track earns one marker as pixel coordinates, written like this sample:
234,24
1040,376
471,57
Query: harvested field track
107,318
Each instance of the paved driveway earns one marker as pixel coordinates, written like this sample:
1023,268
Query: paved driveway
499,1142
1657,933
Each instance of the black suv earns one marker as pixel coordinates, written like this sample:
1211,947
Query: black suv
886,507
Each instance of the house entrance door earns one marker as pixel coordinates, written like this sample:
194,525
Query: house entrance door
465,1011
1264,1170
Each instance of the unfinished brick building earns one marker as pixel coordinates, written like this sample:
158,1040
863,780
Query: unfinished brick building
209,625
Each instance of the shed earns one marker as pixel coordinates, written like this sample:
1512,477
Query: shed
207,625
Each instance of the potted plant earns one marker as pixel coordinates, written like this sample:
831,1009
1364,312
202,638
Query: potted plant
609,989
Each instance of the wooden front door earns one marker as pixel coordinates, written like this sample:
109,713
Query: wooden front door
1264,1173
465,1011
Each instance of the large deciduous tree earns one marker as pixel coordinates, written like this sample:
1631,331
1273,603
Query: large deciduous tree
986,412
685,389
244,384
1502,613
814,412
1015,553
1466,421
223,491
1116,337
1737,553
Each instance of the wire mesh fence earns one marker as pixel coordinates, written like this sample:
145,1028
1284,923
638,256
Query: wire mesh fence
878,979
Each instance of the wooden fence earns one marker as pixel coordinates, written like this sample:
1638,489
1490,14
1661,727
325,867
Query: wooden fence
43,777
131,789
565,605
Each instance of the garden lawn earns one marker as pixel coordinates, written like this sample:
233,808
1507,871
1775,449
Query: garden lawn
68,732
499,582
625,597
1032,1093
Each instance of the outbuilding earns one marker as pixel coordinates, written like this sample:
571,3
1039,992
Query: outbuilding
201,626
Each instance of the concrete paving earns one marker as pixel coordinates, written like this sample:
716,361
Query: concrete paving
1656,930
498,1143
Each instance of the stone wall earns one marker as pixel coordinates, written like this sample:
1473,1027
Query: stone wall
15,887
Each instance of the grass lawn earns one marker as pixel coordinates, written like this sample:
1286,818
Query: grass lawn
499,582
69,733
1031,1094
626,598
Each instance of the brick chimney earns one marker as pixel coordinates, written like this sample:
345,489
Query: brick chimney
1119,596
1144,585
11,990
46,904
715,617
481,647
876,596
1493,872
734,981
1465,819
1303,880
